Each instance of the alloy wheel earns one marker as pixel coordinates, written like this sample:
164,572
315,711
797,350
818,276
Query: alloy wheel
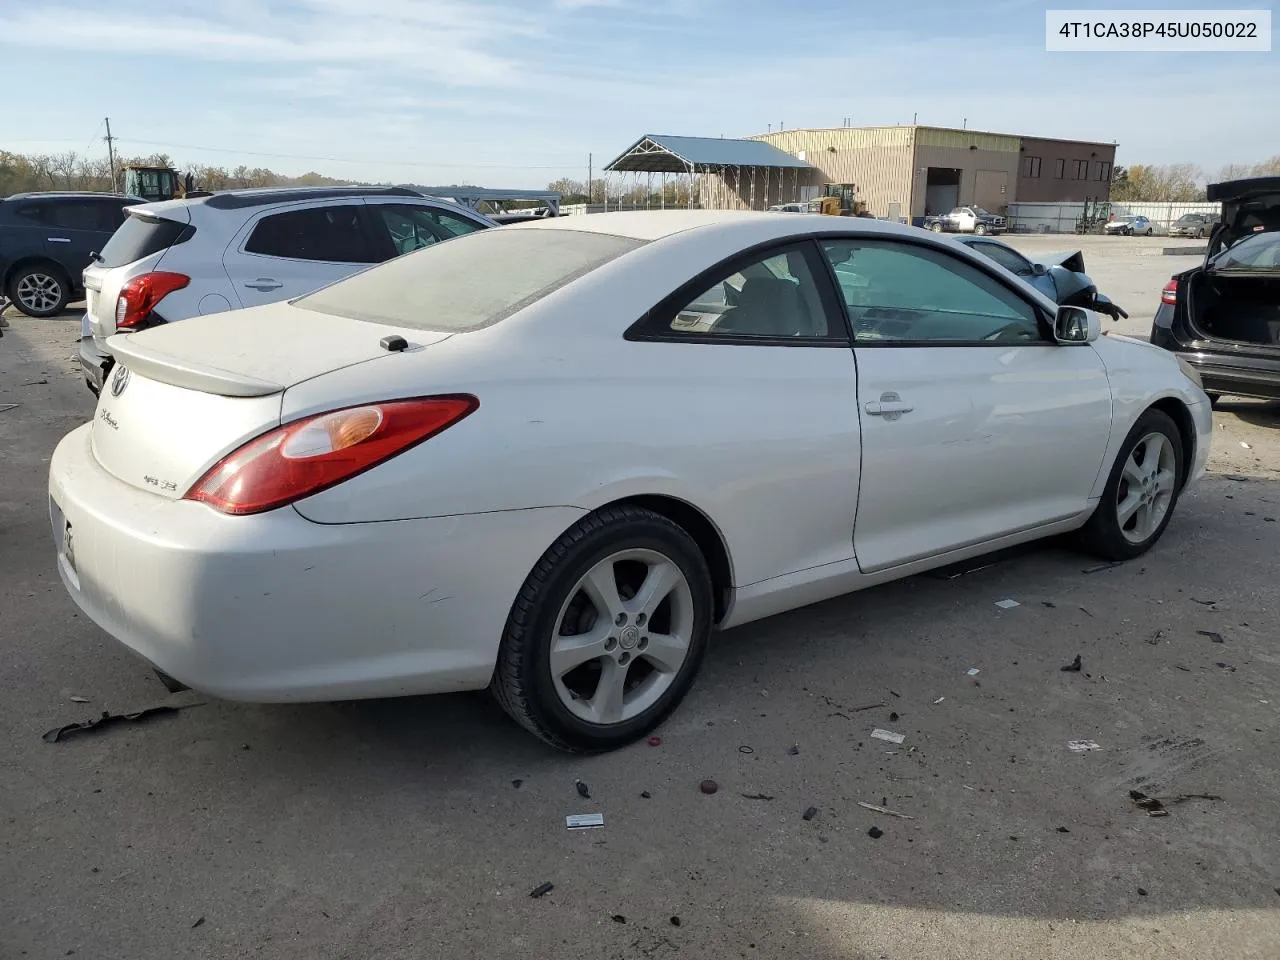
622,636
1147,485
38,291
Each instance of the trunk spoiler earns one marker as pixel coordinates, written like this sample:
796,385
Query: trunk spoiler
181,372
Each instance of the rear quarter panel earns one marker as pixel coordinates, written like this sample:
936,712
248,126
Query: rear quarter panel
763,440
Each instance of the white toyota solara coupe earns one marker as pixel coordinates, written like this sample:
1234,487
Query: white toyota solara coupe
550,459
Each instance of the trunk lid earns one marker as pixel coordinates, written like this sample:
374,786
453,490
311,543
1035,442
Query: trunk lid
1247,206
137,247
184,395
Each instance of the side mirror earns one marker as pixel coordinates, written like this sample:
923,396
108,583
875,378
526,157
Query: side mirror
1076,325
1039,269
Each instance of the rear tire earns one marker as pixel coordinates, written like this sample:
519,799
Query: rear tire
1150,232
607,633
1141,492
39,289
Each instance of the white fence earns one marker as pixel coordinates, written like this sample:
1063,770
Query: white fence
1062,217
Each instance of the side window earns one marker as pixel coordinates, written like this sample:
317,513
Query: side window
412,227
774,296
74,214
332,234
33,214
1009,259
906,293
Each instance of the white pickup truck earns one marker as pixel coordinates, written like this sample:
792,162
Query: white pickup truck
967,219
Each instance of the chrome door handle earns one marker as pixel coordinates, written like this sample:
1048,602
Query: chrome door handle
264,284
58,239
890,406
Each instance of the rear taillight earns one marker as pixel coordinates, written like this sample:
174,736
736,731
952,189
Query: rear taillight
140,295
310,455
1169,294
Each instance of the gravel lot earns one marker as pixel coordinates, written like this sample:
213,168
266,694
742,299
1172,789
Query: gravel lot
396,829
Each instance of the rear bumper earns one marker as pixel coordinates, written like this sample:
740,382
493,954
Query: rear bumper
95,363
1241,376
274,607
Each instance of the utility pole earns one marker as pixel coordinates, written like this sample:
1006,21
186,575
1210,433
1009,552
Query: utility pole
111,155
590,172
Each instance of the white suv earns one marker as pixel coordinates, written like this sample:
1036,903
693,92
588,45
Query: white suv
241,248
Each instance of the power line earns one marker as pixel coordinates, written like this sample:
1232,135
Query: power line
300,156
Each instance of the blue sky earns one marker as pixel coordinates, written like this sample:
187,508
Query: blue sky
517,92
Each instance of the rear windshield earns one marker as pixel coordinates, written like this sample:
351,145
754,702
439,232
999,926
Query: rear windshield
140,237
469,282
1259,251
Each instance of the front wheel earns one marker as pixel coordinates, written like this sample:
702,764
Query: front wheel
1138,500
936,228
607,632
980,229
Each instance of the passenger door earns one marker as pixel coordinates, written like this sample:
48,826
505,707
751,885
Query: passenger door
975,424
75,229
281,254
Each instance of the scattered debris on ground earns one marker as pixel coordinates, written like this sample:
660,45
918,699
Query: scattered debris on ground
1225,666
1048,603
6,407
675,921
885,810
756,796
875,833
793,750
708,786
871,706
810,813
1102,566
619,918
888,735
79,699
973,671
583,790
517,783
655,741
1082,746
1063,830
1203,603
938,701
58,734
1073,666
1212,635
541,890
746,749
1007,604
584,821
198,923
1156,637
646,795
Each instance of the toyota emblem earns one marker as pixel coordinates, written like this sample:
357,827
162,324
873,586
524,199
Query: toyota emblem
119,381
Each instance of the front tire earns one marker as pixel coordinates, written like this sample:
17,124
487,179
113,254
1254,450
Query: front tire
980,230
936,228
1141,492
607,633
39,290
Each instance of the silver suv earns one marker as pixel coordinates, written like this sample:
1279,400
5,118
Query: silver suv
242,248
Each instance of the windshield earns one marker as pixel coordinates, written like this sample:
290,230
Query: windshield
469,282
1260,251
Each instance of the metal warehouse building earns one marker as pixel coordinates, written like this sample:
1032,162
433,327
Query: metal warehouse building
915,171
903,171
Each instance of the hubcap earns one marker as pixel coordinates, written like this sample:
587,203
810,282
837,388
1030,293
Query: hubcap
39,291
1146,489
622,636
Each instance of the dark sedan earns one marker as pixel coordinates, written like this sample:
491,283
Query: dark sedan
1224,315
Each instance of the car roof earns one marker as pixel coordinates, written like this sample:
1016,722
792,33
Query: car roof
265,196
657,224
72,195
